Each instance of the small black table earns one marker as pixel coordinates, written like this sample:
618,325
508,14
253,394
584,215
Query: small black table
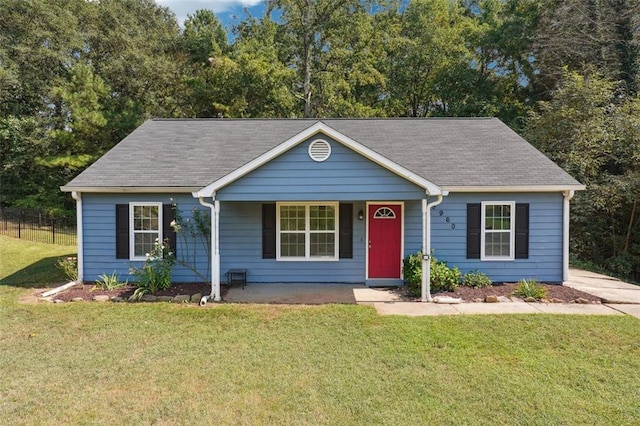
237,276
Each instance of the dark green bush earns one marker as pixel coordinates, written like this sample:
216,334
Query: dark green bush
443,278
476,279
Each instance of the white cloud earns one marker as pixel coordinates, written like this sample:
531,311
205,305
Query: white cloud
182,8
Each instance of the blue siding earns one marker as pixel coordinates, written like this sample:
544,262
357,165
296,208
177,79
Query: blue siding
345,176
545,237
99,227
241,247
240,243
241,236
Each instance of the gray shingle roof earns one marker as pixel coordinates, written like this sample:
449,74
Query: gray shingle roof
193,153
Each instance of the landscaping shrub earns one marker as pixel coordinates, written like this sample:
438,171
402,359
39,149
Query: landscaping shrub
108,282
155,273
530,288
69,266
476,279
443,278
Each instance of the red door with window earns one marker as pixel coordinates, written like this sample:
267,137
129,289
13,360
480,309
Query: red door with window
385,239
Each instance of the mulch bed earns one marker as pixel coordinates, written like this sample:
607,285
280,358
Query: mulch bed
554,292
87,292
467,294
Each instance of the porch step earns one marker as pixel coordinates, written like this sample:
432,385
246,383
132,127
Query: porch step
384,282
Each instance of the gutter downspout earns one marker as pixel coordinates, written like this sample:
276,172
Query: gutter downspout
79,234
215,252
426,246
568,195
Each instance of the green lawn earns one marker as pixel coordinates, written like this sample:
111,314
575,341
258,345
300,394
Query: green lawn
245,364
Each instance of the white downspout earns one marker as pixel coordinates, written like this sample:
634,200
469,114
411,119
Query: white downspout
79,235
568,195
215,251
426,246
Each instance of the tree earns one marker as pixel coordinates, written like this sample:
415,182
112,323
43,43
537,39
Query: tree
306,29
592,129
586,36
430,44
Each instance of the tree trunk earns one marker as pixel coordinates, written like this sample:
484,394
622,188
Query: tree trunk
627,240
306,65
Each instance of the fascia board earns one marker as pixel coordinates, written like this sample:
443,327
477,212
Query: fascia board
515,188
129,189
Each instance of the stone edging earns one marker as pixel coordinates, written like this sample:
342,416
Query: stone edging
180,298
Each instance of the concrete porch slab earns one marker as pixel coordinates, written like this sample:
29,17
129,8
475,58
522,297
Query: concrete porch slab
368,295
293,293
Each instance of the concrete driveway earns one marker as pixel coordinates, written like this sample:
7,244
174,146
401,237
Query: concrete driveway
610,290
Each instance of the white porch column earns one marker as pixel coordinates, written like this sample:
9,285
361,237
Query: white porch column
426,247
215,248
568,195
215,266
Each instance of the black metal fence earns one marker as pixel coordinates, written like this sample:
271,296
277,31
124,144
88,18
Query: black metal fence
38,226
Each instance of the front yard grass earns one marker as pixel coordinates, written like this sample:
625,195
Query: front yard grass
88,362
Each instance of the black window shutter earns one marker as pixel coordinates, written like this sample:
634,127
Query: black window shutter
473,230
522,231
122,231
346,231
167,231
268,231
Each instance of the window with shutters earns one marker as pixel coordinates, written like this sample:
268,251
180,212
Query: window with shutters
145,224
307,231
498,236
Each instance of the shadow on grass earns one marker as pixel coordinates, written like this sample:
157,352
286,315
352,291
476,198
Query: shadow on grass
42,273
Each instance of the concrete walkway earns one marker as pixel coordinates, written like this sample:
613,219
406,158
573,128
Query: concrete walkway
610,290
621,298
415,309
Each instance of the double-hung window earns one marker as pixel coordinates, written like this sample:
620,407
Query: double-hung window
145,225
307,231
498,236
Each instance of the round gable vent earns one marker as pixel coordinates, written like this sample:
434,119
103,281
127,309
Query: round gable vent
319,150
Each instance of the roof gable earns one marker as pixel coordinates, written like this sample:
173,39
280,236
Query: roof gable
315,129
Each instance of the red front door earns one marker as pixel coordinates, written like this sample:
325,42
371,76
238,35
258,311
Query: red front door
385,238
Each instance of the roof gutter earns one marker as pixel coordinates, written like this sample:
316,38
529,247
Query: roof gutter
130,189
515,188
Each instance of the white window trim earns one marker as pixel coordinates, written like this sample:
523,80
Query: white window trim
307,232
132,231
512,236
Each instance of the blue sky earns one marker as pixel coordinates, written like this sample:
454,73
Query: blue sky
228,11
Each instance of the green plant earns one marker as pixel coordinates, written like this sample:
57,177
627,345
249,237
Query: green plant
530,288
476,279
108,282
155,273
412,272
69,266
443,278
